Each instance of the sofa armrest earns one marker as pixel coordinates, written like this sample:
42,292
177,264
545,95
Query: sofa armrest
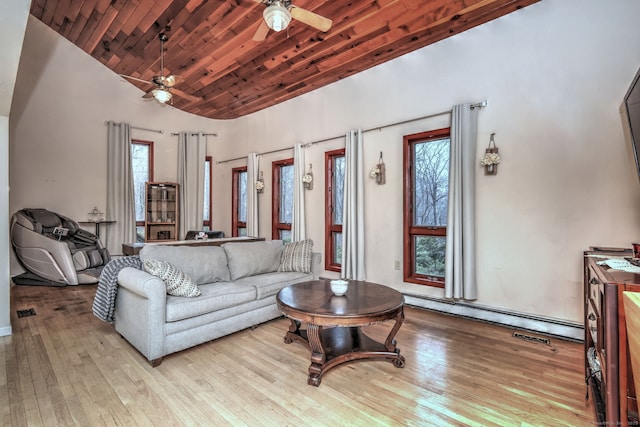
141,311
142,283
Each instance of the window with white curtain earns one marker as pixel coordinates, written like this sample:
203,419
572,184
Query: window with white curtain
334,193
239,201
426,193
282,214
142,164
206,214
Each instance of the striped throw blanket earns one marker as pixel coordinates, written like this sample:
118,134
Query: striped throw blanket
104,303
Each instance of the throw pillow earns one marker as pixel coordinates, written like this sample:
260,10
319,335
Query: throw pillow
177,283
296,256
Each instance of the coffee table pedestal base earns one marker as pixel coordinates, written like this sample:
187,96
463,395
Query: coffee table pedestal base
333,346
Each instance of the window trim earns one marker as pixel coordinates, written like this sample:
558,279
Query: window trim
235,203
276,225
330,227
409,230
151,157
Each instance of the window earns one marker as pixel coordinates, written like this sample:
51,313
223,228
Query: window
142,165
239,202
334,190
282,199
426,192
206,215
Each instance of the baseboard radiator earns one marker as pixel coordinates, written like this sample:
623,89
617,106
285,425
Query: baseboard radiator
573,331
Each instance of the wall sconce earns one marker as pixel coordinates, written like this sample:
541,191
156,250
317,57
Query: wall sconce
307,179
260,184
491,158
378,171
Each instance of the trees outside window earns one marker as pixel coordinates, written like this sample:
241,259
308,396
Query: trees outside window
142,165
426,193
282,214
239,202
334,192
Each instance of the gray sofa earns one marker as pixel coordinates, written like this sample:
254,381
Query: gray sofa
238,284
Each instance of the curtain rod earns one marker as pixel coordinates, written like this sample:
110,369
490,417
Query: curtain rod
378,128
137,128
195,133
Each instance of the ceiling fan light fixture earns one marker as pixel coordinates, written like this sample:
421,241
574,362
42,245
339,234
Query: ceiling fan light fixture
162,95
277,17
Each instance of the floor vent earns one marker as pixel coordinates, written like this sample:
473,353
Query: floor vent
530,338
26,313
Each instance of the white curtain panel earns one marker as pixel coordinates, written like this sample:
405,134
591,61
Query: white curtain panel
252,194
353,213
192,153
298,223
460,262
120,199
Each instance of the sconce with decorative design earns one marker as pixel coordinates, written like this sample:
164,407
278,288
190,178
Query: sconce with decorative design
491,158
260,184
378,171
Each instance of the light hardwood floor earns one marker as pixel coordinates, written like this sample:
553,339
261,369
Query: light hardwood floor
64,366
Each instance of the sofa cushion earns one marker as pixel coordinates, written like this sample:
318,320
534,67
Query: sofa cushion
296,256
177,283
204,264
251,258
269,284
214,296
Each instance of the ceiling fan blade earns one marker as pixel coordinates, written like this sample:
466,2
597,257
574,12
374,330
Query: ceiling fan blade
185,95
148,95
261,32
312,19
135,78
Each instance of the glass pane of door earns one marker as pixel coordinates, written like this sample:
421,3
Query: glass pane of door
140,165
242,197
430,255
337,245
286,194
431,183
338,189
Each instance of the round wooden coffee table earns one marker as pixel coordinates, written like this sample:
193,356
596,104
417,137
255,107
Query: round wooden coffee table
333,323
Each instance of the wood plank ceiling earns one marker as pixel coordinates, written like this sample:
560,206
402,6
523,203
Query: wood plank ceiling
224,73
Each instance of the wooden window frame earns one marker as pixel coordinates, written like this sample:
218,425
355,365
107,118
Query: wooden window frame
209,222
236,224
330,227
409,230
276,225
151,157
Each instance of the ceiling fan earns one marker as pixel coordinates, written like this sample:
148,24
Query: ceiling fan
279,13
164,85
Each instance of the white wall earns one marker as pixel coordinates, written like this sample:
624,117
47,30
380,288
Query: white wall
63,98
554,86
13,21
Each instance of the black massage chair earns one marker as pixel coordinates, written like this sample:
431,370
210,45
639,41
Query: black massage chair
55,250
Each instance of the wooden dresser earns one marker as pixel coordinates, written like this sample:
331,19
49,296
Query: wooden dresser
612,389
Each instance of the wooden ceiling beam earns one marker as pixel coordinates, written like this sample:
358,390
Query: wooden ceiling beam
210,43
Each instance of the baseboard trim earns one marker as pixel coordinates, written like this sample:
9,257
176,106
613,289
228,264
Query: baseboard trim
5,332
558,328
